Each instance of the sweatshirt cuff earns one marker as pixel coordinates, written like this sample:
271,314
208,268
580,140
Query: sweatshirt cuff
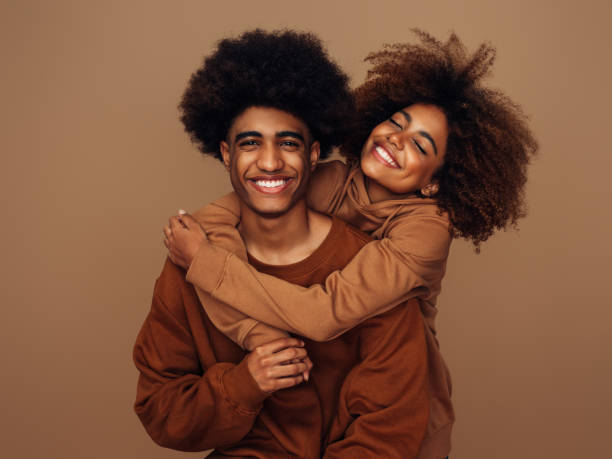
207,267
242,391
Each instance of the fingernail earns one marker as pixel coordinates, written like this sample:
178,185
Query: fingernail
182,212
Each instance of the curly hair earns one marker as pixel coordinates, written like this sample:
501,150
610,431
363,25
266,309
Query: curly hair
482,180
286,70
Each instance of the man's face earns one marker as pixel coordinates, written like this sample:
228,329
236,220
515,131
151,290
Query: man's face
269,154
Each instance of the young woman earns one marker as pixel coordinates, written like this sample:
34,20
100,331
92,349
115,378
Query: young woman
446,158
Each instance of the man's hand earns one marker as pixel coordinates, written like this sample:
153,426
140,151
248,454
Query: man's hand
279,364
183,237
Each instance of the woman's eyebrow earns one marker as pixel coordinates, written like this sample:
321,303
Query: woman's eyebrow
423,133
428,137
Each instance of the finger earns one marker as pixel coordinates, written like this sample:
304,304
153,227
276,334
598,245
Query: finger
175,224
182,222
179,217
286,371
167,243
189,220
285,357
278,345
309,366
167,231
284,383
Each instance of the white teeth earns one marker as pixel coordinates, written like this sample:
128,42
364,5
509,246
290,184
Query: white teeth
386,157
270,183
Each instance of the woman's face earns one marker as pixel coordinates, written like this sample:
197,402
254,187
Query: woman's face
402,153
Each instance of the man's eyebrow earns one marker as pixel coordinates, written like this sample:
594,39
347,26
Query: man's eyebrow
297,135
242,135
423,133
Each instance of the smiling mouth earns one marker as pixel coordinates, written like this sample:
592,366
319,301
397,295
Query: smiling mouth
384,157
270,185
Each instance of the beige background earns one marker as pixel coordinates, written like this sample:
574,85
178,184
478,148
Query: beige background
94,159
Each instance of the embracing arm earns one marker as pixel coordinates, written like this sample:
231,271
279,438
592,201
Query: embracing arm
383,274
219,219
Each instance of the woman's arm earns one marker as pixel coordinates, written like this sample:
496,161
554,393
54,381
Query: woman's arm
220,220
407,263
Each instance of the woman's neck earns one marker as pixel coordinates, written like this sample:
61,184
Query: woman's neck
378,193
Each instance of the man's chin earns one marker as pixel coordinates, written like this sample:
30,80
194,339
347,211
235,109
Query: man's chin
270,212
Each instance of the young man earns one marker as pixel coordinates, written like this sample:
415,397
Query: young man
366,394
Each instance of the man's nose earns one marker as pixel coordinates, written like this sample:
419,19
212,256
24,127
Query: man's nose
270,158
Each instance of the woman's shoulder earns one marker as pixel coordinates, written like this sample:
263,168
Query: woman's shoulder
330,171
223,211
421,228
326,184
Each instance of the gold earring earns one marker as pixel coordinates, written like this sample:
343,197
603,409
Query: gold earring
429,190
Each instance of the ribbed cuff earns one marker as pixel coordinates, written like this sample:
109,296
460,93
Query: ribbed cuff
207,267
243,392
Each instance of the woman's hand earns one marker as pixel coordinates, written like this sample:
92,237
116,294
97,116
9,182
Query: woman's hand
279,364
183,237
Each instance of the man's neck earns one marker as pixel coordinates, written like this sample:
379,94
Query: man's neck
284,239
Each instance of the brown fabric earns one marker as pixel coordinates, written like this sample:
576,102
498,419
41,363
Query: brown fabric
372,380
408,261
195,391
367,396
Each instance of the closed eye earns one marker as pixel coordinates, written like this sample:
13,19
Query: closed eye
418,145
392,121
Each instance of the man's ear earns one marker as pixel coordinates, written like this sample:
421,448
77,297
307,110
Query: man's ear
225,153
315,152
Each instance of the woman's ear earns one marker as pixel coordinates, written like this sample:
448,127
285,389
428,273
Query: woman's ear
430,189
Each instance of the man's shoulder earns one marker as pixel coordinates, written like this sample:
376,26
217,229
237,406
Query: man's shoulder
342,243
172,291
349,234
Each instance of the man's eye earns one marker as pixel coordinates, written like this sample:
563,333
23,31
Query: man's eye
289,143
247,143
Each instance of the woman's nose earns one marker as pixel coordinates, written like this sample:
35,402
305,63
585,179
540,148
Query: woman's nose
397,140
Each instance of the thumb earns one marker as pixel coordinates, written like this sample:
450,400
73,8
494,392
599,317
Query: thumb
188,220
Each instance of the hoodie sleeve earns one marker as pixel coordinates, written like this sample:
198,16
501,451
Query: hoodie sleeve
185,399
220,220
407,263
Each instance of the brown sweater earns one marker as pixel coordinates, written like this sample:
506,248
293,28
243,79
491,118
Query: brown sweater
367,396
408,261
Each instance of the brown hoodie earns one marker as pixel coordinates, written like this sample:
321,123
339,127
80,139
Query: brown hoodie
407,261
367,396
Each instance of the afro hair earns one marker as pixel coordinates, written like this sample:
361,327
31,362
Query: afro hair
482,180
286,70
